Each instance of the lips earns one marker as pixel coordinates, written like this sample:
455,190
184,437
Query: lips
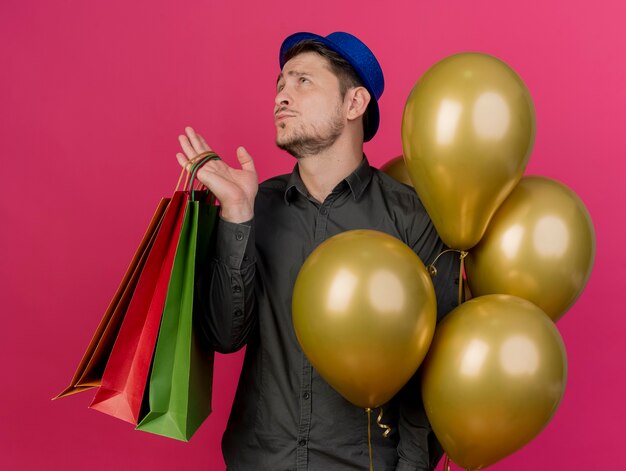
282,116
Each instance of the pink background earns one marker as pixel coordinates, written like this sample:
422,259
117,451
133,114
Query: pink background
92,98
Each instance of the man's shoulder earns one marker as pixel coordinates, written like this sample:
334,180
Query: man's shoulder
390,182
275,184
395,189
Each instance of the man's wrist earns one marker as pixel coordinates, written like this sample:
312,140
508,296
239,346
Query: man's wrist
236,215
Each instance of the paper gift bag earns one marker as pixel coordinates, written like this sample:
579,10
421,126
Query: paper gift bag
91,367
124,379
179,393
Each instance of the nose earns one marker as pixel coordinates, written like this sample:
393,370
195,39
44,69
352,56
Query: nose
282,98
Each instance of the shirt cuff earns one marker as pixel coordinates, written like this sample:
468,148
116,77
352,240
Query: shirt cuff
234,245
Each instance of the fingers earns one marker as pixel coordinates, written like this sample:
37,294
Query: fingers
187,147
203,142
192,143
212,175
245,160
182,160
197,141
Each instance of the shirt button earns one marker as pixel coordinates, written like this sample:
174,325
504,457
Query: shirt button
237,289
323,211
306,396
302,442
239,235
237,312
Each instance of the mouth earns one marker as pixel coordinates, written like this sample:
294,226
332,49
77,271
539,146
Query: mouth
282,117
282,113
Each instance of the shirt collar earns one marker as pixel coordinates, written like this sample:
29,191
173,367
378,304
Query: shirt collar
357,181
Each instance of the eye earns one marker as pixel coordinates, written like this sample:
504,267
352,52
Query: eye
304,80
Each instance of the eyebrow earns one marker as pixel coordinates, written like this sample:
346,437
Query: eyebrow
296,73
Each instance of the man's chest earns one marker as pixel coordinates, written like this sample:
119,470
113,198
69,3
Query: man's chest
286,235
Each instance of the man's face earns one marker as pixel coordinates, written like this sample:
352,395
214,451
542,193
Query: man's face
309,111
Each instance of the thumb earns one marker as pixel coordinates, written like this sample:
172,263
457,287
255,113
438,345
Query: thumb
245,160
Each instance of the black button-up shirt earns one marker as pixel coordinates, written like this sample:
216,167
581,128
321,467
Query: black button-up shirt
285,416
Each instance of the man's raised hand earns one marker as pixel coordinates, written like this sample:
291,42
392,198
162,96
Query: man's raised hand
234,188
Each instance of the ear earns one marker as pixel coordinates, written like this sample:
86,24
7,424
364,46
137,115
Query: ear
358,99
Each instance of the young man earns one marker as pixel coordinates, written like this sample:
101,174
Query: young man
285,416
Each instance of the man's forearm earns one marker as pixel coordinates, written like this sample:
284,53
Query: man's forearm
226,289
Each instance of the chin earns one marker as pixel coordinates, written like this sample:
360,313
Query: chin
282,139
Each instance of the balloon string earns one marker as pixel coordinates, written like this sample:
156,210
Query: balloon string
461,269
369,436
432,269
386,428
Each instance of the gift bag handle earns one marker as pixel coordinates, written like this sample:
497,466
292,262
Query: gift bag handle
198,160
197,163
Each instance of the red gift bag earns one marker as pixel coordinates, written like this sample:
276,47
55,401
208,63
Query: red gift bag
91,367
123,383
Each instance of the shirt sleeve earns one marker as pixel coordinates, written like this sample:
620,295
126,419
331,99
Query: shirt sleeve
418,448
413,428
225,288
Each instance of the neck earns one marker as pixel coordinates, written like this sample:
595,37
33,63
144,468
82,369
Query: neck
322,172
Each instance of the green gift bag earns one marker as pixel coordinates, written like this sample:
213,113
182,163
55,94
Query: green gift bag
180,384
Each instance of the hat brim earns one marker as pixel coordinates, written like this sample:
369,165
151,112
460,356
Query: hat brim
372,108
